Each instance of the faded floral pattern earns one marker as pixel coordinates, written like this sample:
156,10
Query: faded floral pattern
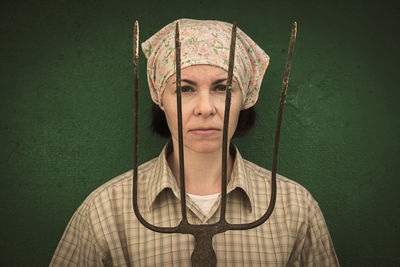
204,42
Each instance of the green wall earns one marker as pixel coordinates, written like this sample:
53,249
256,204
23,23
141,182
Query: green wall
67,126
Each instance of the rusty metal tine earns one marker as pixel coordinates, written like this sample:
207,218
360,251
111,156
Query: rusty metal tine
226,121
136,108
135,155
136,86
179,111
136,90
282,102
276,142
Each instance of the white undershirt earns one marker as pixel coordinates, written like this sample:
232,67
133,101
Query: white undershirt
206,202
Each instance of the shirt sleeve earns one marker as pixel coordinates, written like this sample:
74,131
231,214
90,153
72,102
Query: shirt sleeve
317,249
78,246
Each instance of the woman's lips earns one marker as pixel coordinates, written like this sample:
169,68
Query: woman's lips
206,131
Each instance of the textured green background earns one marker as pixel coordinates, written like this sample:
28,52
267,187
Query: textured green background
66,112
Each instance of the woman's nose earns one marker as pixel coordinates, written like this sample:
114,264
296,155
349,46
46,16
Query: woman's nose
204,105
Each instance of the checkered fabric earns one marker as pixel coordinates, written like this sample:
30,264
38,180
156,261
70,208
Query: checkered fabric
104,231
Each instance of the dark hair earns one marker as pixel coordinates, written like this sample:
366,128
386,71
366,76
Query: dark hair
247,118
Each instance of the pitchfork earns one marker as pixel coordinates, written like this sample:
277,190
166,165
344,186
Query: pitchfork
203,253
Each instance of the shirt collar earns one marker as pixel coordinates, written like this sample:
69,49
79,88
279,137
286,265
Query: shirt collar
163,179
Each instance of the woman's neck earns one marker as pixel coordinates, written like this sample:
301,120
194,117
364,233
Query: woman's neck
202,170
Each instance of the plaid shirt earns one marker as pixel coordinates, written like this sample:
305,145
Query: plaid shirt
104,230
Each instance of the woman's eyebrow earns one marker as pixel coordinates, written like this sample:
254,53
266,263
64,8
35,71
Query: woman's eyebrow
219,81
193,83
186,81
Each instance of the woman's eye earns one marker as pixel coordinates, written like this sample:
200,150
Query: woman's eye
186,89
220,87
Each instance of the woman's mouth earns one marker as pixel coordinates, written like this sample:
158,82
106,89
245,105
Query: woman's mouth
205,131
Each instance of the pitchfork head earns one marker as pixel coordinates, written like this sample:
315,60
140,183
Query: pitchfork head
203,254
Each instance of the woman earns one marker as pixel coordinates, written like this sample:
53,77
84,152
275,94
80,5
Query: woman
105,231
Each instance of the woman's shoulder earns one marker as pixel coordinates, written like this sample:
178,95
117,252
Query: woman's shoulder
116,187
286,186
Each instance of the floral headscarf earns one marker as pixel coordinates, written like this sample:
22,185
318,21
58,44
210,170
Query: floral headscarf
204,42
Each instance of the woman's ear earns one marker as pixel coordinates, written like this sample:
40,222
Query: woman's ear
161,105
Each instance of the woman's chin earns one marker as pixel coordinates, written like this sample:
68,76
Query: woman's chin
204,147
202,144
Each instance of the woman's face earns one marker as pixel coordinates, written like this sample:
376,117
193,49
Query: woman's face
203,106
